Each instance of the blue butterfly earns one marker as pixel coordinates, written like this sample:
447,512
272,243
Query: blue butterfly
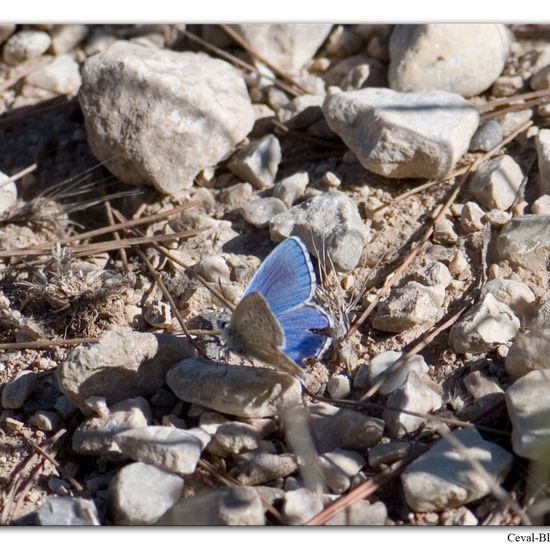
275,319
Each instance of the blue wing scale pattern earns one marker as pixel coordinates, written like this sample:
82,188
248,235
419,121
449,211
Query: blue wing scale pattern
287,281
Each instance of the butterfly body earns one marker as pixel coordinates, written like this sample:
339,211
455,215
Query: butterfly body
275,320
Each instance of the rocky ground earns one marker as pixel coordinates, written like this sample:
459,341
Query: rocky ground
414,163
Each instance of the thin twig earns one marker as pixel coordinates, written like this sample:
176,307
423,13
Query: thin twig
491,105
243,65
19,174
116,235
45,344
100,231
254,53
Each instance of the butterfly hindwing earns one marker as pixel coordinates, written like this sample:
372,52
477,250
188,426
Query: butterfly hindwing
300,341
286,278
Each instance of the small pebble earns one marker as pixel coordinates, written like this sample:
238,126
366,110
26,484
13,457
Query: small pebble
25,45
388,453
415,396
471,218
57,511
158,314
46,421
291,188
487,136
18,390
300,506
140,494
541,205
260,211
258,162
339,386
236,194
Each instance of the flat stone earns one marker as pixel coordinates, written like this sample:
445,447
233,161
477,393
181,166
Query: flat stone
16,391
259,468
140,494
260,211
300,506
291,188
95,435
529,352
383,361
200,113
410,305
486,325
61,76
224,506
415,396
335,428
67,511
542,143
442,478
487,136
529,409
339,466
288,46
171,449
123,364
497,182
416,65
25,45
515,294
329,222
236,437
413,135
258,162
525,241
388,453
237,390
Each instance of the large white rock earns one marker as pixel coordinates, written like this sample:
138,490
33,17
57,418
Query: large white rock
160,117
413,135
525,241
461,58
287,46
443,478
529,409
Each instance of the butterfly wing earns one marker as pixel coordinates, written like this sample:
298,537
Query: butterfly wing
255,331
300,341
286,278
